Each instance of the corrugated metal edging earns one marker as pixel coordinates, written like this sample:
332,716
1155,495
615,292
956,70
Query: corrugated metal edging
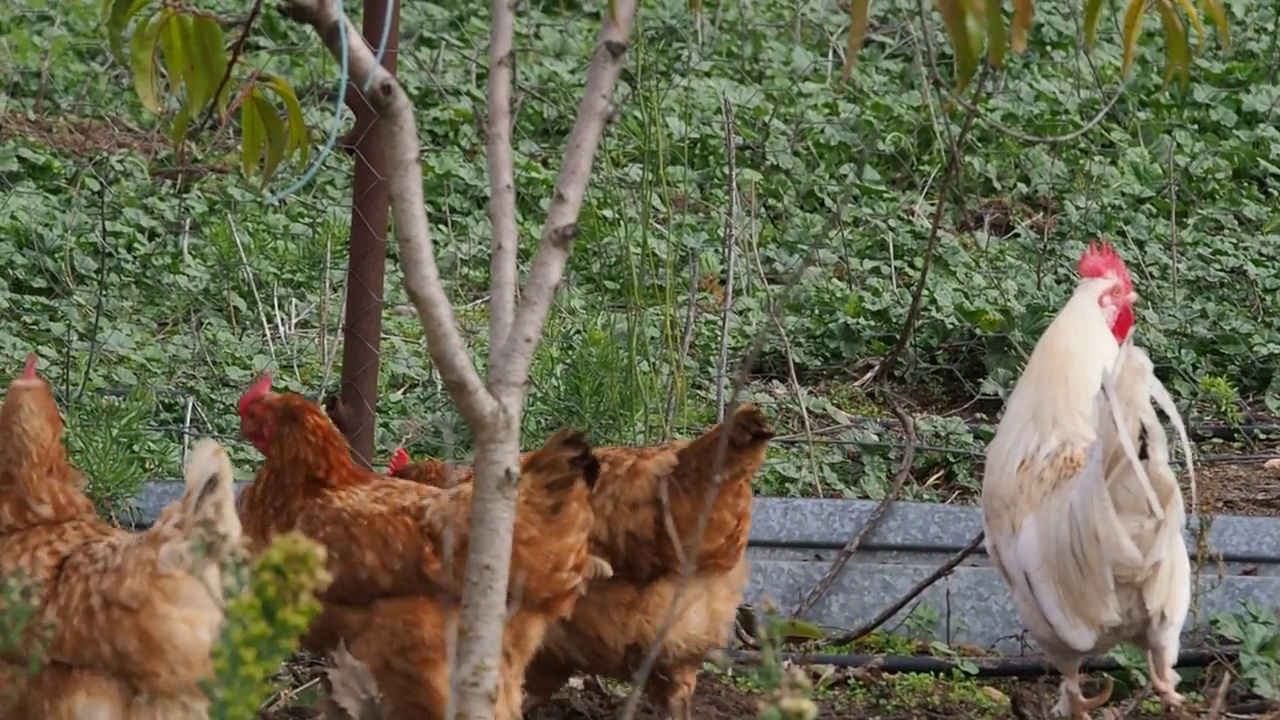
794,541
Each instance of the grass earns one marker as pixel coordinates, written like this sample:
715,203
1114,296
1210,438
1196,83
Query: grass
127,275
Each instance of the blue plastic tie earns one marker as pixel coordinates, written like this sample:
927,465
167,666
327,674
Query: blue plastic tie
343,77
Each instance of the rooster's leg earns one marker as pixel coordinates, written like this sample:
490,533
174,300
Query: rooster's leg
1164,679
1072,702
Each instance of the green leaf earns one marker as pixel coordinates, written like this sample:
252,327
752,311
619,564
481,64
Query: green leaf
1178,49
1023,10
181,122
1194,15
199,75
1218,14
955,20
799,629
298,138
142,61
120,13
859,10
207,49
172,48
1129,32
277,143
254,133
1092,12
996,40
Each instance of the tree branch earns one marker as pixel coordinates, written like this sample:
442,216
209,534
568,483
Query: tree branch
510,363
502,182
891,495
884,370
408,207
893,609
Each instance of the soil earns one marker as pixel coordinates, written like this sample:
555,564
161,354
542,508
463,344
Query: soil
720,699
1240,489
81,136
713,699
93,137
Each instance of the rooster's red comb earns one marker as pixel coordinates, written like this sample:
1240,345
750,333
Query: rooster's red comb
1101,259
259,388
399,461
29,372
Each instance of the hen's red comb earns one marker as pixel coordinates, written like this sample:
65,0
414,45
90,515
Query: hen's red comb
399,461
1099,260
29,372
260,387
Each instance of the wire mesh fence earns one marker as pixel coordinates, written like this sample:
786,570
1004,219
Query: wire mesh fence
733,158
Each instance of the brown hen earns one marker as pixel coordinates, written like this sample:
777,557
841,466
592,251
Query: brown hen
647,504
397,550
126,621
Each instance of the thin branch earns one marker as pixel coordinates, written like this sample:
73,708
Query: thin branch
642,673
884,615
792,375
408,207
502,181
253,286
846,553
730,255
885,368
237,50
511,361
686,341
100,301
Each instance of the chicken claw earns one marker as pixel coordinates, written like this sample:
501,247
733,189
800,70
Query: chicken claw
1072,702
597,569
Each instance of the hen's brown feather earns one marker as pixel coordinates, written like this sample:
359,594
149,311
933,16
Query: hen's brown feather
397,549
646,504
638,488
116,609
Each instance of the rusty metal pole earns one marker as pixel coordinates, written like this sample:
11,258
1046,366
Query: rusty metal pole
370,206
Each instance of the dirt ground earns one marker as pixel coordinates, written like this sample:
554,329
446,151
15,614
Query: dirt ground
713,700
81,136
1246,489
719,698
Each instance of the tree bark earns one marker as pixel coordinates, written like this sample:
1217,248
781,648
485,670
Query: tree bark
493,413
510,363
502,183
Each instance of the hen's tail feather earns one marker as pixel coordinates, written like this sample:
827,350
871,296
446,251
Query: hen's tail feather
564,460
747,430
210,490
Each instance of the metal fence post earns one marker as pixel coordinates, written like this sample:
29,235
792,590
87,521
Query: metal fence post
366,270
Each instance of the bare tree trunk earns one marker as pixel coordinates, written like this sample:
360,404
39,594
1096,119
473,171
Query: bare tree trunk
493,413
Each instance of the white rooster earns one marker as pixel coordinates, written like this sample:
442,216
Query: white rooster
1086,530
